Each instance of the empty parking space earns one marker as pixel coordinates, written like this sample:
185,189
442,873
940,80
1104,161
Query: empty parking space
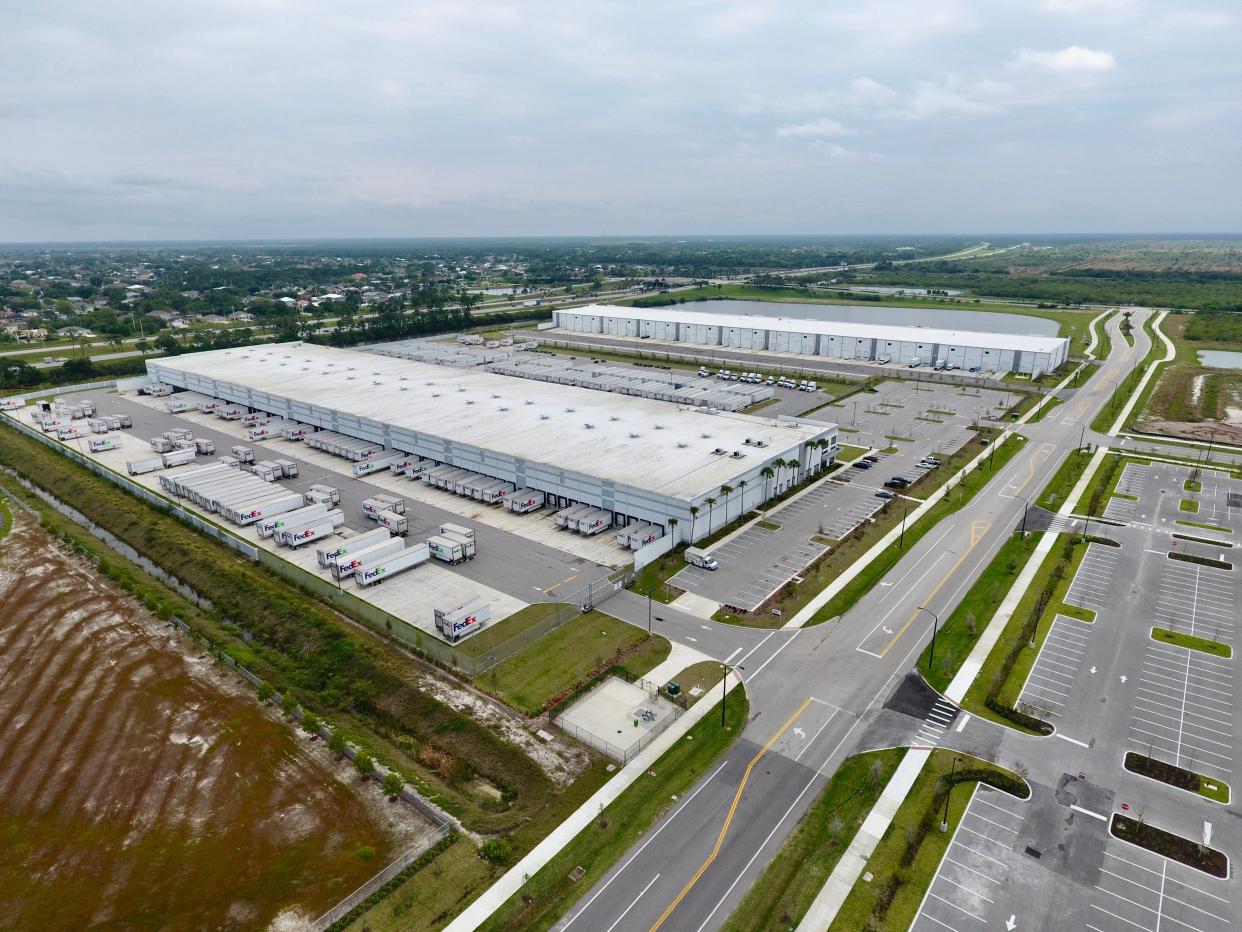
1139,890
1183,710
966,892
1094,579
1056,669
1198,600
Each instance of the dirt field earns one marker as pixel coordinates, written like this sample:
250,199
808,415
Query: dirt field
141,787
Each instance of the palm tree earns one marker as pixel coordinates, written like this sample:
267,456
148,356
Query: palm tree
741,484
767,472
694,516
711,504
726,491
672,526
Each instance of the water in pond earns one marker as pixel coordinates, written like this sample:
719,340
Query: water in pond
989,321
1220,359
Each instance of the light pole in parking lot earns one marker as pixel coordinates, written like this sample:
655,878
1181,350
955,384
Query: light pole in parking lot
948,793
1025,506
648,611
935,624
901,542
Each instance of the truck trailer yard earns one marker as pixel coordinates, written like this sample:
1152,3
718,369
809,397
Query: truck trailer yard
509,572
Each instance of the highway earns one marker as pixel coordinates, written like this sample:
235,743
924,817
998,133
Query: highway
815,694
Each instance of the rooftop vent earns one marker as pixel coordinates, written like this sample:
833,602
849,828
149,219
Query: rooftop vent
530,402
681,444
706,436
659,427
737,454
403,388
376,382
718,452
349,378
614,418
633,434
589,426
435,394
461,388
503,408
469,401
543,417
495,394
569,410
761,443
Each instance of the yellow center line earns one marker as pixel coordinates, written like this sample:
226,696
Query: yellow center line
977,531
562,582
1031,474
737,798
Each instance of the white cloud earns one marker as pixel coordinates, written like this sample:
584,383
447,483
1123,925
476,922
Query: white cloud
1084,6
1074,59
949,95
815,129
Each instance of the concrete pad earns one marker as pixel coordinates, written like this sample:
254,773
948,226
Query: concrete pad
615,716
696,605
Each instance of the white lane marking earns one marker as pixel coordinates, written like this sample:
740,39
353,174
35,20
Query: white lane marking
1095,815
1081,744
632,905
732,655
962,723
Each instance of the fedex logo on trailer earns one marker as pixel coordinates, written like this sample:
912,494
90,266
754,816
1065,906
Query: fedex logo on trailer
303,535
250,514
373,574
459,626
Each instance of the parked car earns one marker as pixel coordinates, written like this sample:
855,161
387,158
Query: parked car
871,458
883,493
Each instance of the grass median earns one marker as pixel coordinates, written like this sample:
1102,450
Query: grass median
789,884
954,500
907,857
552,891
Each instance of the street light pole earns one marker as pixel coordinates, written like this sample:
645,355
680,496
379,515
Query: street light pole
935,624
948,793
901,543
648,612
1025,505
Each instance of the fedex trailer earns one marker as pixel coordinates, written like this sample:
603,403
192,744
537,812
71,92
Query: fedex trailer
449,549
394,522
323,493
382,568
524,500
330,553
464,620
346,564
243,454
276,505
99,444
205,447
138,467
288,468
379,464
458,531
12,404
179,457
296,431
372,507
269,526
295,535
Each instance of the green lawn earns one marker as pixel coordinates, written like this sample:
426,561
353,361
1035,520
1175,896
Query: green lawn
1191,642
907,857
510,627
793,878
550,893
424,901
564,659
849,453
1189,505
652,577
1192,485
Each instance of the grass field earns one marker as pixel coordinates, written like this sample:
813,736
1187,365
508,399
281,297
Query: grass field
550,893
908,855
148,787
562,660
1191,642
1206,527
789,884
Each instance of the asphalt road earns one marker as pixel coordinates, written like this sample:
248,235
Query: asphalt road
693,880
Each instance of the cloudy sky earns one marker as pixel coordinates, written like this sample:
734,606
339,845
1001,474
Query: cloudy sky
305,118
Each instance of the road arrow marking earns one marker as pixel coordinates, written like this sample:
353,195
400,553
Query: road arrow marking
887,630
1011,923
696,640
800,733
1123,677
1093,669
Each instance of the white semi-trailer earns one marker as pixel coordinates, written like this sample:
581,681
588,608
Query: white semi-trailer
449,549
323,493
377,464
524,500
456,529
394,522
138,467
305,532
382,568
347,563
269,526
464,620
276,505
329,554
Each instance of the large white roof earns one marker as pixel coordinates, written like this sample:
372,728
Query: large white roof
988,340
533,420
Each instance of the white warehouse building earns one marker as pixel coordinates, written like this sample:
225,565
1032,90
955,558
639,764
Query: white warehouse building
966,349
639,458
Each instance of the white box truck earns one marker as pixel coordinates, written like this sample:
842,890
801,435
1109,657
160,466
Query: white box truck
382,568
701,559
463,620
328,554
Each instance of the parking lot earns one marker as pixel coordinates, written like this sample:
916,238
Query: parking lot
968,889
932,419
1141,890
1056,669
1095,577
1198,600
1183,710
